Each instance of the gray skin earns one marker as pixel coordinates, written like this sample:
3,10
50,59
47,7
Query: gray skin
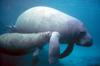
20,44
42,19
17,44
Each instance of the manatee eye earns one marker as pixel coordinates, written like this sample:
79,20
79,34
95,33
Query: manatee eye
82,34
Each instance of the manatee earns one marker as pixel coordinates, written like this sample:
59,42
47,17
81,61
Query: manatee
41,19
17,44
20,44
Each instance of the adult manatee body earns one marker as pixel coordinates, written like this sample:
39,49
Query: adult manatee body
42,19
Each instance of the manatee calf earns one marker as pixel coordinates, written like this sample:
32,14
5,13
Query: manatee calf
17,44
42,19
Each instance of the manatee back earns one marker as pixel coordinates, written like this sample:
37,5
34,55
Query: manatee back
40,19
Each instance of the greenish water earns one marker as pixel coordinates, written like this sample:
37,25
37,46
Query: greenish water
87,11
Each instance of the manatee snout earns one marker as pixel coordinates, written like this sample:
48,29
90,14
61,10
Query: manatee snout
86,40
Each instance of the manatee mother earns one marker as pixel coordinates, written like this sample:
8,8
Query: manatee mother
42,19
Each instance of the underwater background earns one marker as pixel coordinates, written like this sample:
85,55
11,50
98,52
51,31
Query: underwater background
88,11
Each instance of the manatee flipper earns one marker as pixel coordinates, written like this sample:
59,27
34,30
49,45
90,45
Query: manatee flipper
67,51
35,58
11,28
54,49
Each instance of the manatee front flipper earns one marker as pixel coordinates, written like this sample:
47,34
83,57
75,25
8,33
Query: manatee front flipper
11,28
67,51
35,58
54,49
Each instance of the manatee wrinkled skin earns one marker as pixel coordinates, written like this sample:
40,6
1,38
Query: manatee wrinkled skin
17,44
20,44
42,19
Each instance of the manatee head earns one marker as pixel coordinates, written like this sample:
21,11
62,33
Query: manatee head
84,38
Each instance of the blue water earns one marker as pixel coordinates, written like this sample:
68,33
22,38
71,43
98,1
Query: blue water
87,11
